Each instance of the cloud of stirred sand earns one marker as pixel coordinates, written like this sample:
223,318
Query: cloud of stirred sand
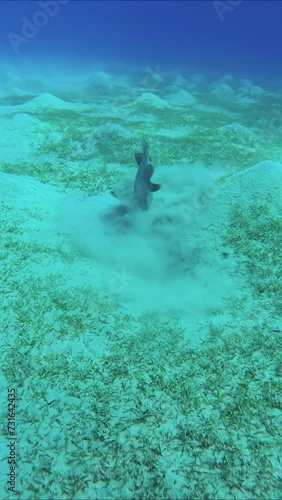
162,259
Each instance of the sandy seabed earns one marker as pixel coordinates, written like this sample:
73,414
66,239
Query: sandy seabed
145,356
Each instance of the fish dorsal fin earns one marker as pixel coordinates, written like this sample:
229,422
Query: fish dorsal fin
154,187
138,158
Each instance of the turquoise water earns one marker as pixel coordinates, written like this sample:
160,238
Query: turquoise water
141,314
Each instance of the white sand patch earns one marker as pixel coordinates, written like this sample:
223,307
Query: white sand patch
49,101
260,183
150,100
42,102
20,137
180,98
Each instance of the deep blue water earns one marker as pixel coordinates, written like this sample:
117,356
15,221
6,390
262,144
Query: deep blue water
244,36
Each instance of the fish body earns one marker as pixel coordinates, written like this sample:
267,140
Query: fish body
143,187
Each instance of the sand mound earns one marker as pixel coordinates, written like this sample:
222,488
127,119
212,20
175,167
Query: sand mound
258,184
